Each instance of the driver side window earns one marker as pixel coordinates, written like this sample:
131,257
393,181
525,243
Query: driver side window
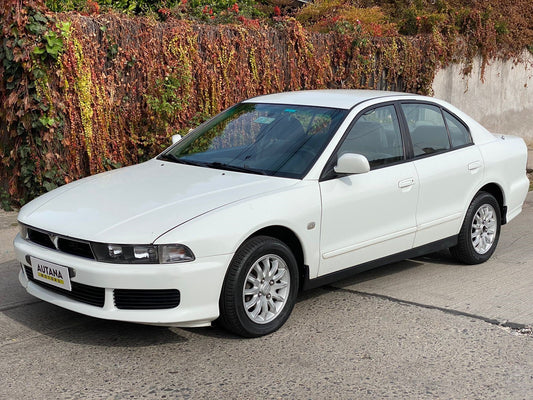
376,135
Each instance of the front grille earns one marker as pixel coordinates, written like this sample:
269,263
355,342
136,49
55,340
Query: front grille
135,299
75,248
41,238
64,244
92,295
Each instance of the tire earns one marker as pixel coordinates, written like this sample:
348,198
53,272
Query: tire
260,287
480,231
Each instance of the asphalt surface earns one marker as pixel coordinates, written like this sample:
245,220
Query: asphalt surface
427,328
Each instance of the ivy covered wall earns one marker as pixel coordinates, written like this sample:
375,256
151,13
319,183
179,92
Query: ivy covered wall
84,94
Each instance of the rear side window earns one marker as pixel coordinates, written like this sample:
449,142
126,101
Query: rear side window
376,135
427,128
459,135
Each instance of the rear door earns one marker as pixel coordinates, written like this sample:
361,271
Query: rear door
448,167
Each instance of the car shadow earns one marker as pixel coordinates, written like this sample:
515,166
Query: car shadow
442,257
43,319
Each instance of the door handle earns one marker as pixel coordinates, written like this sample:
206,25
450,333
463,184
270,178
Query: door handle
406,183
473,166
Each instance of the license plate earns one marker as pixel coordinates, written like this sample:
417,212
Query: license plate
53,274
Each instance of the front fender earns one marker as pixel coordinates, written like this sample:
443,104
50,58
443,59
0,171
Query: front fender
223,230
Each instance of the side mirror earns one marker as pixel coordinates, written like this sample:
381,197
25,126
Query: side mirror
176,138
350,163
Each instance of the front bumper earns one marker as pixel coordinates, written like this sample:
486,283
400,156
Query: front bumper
199,284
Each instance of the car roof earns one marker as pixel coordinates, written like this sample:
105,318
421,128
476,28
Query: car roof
334,98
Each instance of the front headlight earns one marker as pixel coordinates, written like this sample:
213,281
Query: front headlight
142,253
23,230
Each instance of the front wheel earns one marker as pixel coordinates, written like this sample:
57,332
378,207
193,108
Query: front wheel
480,231
260,287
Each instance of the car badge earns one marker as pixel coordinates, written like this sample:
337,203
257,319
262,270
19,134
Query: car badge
54,239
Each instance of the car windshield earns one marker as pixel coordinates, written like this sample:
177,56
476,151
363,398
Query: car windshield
269,139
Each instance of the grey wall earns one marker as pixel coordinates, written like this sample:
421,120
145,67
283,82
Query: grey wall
502,102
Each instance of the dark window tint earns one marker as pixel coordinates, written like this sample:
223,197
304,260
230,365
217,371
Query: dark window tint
376,135
458,132
427,128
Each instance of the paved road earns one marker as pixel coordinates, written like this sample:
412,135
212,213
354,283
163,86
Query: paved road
420,329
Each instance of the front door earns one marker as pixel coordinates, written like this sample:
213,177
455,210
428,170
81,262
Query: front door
371,215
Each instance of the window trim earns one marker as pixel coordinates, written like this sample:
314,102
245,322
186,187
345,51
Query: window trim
442,109
328,173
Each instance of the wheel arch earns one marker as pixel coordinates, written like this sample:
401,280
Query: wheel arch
290,238
496,190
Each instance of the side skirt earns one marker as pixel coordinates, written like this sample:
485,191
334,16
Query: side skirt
345,273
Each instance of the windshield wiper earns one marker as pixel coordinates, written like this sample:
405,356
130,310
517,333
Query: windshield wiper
228,167
216,164
173,158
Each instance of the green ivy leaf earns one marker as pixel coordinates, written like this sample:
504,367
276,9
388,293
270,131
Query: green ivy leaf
46,121
35,28
49,185
39,50
40,17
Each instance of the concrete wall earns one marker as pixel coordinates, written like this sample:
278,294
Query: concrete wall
503,102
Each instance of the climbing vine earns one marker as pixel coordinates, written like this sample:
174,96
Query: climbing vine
30,122
85,92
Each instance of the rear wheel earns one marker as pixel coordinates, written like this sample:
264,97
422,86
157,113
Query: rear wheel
480,230
260,287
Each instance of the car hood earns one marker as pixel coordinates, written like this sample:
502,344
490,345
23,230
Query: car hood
138,204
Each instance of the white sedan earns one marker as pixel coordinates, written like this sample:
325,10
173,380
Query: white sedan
277,194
